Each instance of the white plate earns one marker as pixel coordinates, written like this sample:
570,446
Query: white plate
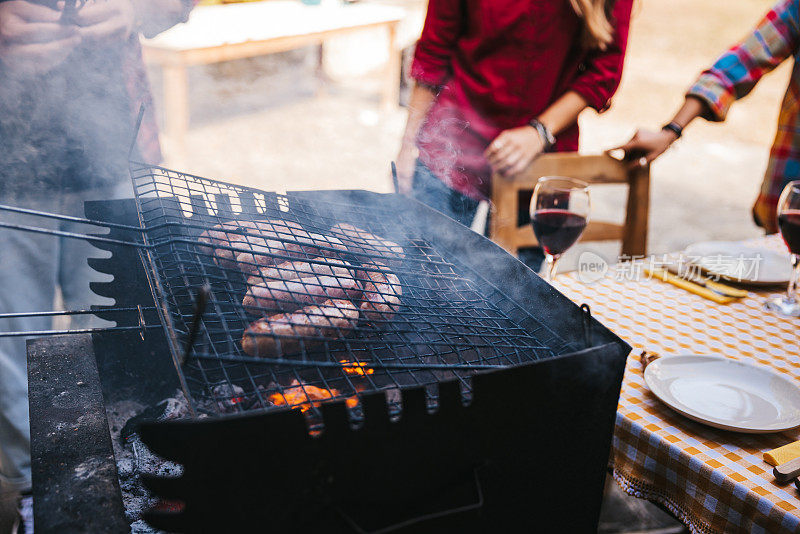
739,263
725,393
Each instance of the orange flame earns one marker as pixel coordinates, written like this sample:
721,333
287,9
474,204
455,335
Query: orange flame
356,368
302,396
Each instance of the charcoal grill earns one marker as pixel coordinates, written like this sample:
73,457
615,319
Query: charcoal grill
452,321
488,392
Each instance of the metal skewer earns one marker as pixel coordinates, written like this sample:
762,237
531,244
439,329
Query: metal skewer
200,304
336,365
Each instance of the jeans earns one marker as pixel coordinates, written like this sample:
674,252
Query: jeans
431,191
32,266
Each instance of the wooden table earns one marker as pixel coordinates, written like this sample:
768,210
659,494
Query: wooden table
713,480
235,31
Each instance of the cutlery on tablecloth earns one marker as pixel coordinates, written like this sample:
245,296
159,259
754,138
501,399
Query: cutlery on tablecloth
706,282
786,460
783,454
787,471
691,287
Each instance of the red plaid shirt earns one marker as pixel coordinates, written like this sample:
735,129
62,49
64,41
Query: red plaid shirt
500,63
733,76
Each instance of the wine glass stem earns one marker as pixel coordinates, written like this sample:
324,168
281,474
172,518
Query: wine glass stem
791,291
550,269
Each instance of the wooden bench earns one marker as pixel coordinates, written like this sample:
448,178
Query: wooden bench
235,31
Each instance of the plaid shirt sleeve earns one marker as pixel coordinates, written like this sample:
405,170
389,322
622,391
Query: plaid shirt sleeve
738,70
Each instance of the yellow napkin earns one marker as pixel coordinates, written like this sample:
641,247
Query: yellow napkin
781,455
664,276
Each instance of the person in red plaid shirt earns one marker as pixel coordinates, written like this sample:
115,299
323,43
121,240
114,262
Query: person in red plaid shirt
733,76
71,83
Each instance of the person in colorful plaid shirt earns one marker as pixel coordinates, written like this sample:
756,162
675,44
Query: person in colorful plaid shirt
733,76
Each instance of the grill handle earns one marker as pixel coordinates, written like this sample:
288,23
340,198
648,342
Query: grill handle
73,235
200,304
141,327
67,218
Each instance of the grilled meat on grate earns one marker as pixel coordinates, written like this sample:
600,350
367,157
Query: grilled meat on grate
292,270
361,241
289,295
303,329
382,292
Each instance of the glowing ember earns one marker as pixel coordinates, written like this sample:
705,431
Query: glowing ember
356,368
302,396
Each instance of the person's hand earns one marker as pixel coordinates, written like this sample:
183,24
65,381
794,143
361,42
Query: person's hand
155,16
103,20
645,146
513,150
406,164
32,38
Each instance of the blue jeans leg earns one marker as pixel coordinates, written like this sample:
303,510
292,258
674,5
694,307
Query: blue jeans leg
431,191
31,267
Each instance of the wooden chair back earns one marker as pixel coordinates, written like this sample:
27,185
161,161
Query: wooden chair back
593,169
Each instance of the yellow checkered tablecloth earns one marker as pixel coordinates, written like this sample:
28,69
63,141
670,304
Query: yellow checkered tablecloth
713,480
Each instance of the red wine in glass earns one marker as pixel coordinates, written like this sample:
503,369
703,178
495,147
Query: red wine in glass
789,223
557,229
559,214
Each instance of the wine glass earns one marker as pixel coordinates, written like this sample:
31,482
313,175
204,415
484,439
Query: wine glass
559,214
789,223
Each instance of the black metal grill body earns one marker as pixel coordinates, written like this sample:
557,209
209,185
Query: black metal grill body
528,450
452,314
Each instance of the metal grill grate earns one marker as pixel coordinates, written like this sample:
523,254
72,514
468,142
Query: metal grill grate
449,322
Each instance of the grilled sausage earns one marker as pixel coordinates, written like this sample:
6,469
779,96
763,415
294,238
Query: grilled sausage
288,295
382,292
214,236
306,328
321,245
358,240
254,235
298,244
291,270
263,255
273,227
230,259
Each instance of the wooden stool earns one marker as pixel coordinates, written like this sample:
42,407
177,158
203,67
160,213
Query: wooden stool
594,170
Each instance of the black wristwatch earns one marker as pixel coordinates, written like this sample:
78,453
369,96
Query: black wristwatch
547,137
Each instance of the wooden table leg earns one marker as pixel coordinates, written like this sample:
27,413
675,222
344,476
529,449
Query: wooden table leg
321,78
391,80
503,224
176,112
634,236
